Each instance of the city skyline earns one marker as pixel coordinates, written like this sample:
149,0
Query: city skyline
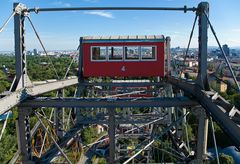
61,30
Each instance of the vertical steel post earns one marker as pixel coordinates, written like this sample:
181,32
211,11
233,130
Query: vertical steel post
80,88
24,134
202,78
111,133
20,48
202,135
56,120
167,56
23,121
80,59
58,113
57,123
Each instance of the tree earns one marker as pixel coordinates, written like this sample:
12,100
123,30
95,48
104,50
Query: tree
236,100
89,134
8,147
224,159
102,161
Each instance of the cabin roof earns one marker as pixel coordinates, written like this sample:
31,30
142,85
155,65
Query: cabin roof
124,38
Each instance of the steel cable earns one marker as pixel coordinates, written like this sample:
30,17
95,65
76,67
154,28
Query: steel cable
40,41
214,140
4,125
189,42
8,20
68,68
224,54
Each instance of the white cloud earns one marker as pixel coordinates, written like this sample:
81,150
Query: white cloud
100,13
177,32
60,3
236,30
233,41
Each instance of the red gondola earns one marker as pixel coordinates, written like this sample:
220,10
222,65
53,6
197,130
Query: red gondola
125,56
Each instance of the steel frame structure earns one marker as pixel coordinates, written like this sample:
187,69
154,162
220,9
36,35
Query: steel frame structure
22,89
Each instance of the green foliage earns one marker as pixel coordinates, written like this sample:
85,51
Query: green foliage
189,132
215,86
224,159
98,160
89,135
192,126
4,84
231,89
102,161
8,146
211,66
162,153
236,100
187,76
40,67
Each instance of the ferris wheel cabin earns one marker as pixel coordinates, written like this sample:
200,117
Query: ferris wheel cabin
125,56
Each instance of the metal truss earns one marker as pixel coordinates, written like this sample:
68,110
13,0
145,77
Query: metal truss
24,94
221,111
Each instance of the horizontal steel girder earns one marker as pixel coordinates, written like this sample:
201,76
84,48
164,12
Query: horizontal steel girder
126,84
213,106
185,9
109,102
133,119
14,98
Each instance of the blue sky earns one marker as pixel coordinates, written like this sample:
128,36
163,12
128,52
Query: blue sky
61,30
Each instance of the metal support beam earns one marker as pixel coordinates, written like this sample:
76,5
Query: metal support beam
202,135
202,78
109,103
80,87
137,83
20,47
80,59
212,108
58,114
185,9
13,99
111,133
168,56
51,86
24,134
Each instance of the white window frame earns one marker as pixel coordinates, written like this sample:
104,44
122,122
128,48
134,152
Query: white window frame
124,55
155,59
139,59
92,60
111,60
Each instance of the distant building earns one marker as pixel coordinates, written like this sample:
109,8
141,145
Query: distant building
226,49
223,87
35,52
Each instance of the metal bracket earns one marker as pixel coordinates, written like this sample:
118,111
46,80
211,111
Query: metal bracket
20,8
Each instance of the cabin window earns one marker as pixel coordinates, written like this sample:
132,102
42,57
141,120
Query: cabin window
99,53
115,53
148,53
132,53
